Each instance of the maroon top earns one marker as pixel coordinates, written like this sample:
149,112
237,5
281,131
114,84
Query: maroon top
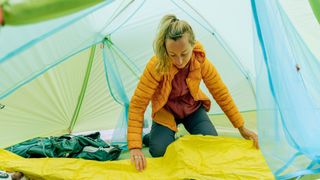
180,101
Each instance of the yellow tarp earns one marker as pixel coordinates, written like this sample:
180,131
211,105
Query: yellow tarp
190,157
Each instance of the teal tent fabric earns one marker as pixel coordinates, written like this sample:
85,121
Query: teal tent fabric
111,57
117,91
287,94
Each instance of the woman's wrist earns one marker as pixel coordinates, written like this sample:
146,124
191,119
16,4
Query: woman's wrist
241,128
135,149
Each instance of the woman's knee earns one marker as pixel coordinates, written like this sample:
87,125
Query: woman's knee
157,150
160,138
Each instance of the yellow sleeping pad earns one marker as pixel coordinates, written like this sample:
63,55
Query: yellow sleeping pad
189,157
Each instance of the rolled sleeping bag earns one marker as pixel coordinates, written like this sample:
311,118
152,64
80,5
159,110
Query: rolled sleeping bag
20,12
315,5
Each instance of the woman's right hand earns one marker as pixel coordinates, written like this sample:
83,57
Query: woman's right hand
137,158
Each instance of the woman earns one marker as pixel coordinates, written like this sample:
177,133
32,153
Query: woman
171,81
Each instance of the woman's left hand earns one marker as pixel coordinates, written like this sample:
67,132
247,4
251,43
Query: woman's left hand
247,134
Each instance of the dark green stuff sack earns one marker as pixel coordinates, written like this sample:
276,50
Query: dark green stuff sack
100,154
81,146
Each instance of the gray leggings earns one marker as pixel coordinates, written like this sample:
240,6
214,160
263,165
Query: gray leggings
196,123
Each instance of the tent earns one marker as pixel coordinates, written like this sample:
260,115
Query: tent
77,73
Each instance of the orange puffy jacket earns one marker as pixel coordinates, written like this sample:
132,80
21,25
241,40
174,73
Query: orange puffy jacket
157,87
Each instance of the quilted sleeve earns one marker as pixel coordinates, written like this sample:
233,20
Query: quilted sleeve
220,93
147,85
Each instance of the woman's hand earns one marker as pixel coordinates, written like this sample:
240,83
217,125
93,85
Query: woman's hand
137,158
247,134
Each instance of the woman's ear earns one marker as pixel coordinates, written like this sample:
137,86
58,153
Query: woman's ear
193,45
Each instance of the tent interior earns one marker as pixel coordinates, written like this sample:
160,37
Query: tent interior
75,72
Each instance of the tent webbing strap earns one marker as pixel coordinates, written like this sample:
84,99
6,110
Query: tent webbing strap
83,90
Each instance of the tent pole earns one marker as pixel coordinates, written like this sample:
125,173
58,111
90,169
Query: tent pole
83,90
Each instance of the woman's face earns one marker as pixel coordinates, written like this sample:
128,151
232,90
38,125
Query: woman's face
179,51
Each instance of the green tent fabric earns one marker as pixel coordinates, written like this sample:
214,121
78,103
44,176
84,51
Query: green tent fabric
315,4
32,11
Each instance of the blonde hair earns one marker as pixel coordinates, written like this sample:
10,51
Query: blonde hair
170,27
